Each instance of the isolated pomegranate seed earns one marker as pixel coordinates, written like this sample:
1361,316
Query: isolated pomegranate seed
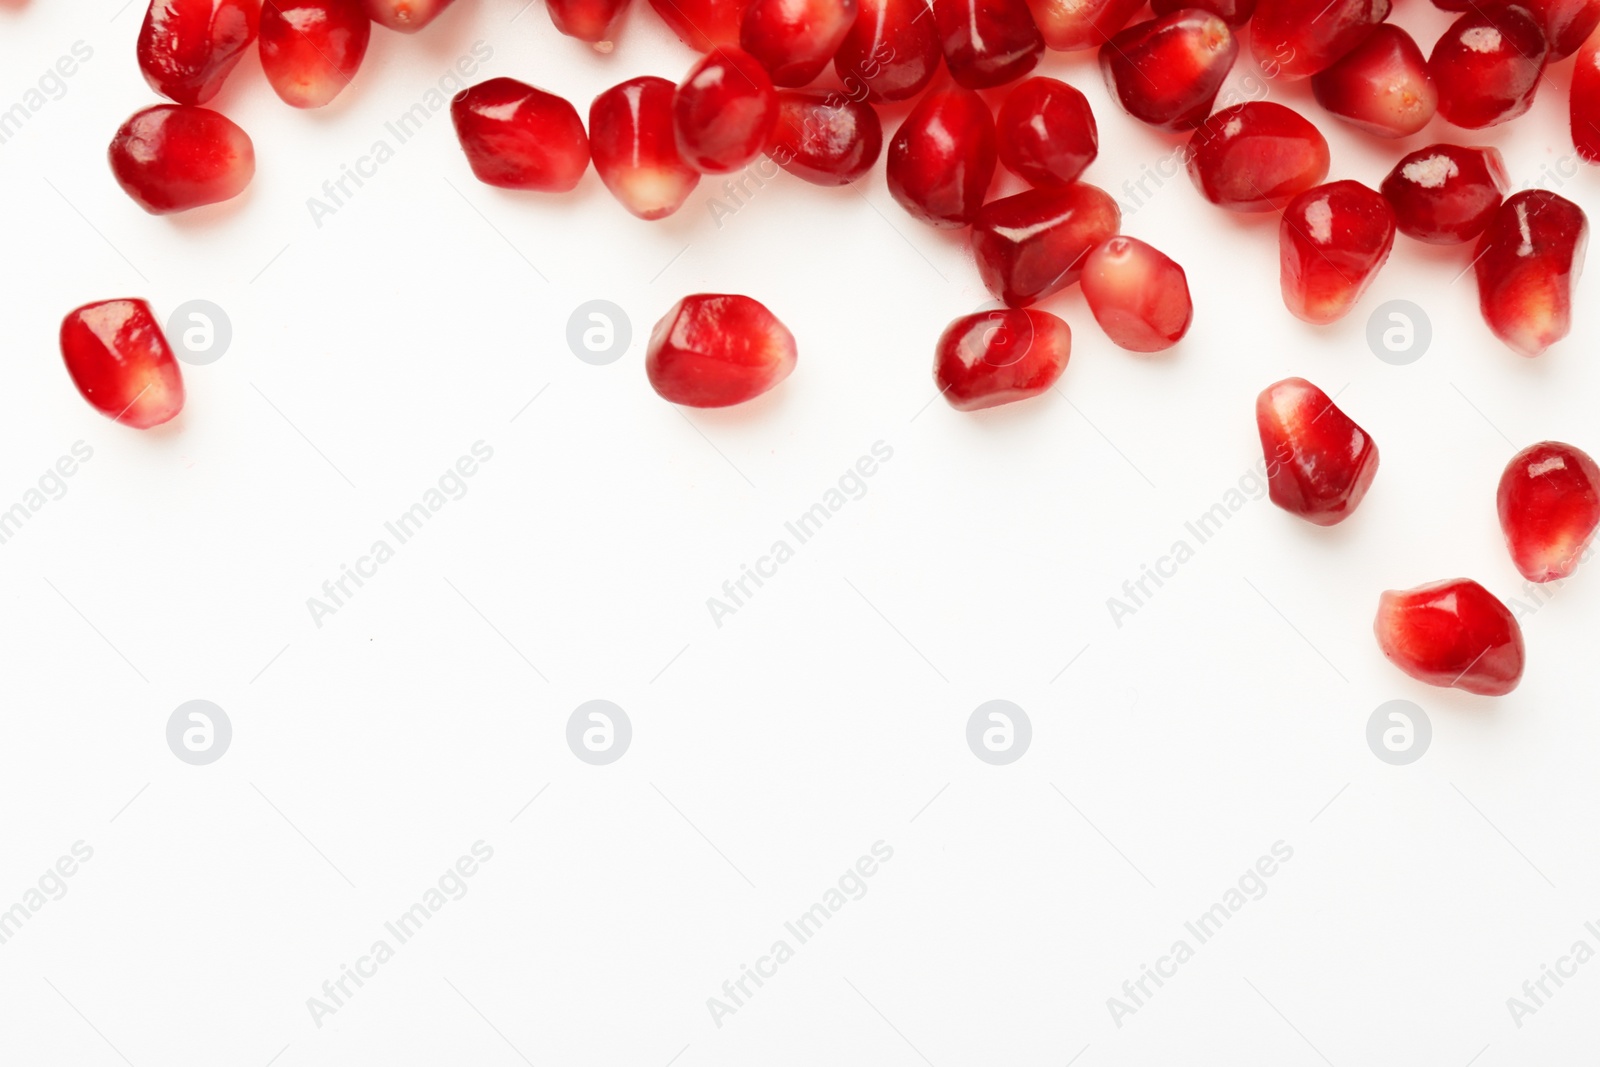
1586,101
712,350
1320,464
1332,242
592,21
1138,295
311,49
892,50
824,138
703,24
519,137
635,148
1234,12
1071,25
407,16
1167,71
1382,86
987,42
1000,357
1567,23
1298,38
187,48
1256,157
1047,134
1549,504
1488,65
1445,194
173,157
724,112
941,159
1528,264
795,39
1452,634
120,361
1034,244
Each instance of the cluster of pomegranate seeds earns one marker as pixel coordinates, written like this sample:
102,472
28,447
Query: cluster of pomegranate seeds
999,357
1444,194
519,137
1320,464
1527,264
1137,294
1046,132
892,50
187,48
795,39
635,149
942,158
724,111
1549,504
1033,244
311,49
713,350
1488,65
1333,240
120,361
1257,157
1382,86
1453,634
825,139
1167,72
173,157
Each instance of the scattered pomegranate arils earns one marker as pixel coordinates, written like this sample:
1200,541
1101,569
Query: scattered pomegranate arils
1487,66
1256,157
1528,264
1567,23
407,16
187,48
1452,634
1549,504
824,138
795,39
120,361
173,157
1071,25
711,351
1298,38
892,50
724,112
1320,464
593,21
1382,86
1167,71
703,24
1034,244
1138,295
635,148
1333,240
1046,132
987,42
1586,101
311,49
1445,194
1234,12
519,137
942,157
1000,357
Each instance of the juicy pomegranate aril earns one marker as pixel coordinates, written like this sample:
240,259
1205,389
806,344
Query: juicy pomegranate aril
1586,101
1034,244
892,50
824,138
1567,23
1256,157
1167,71
942,158
407,16
1528,264
724,112
593,21
311,49
795,39
1333,241
702,24
519,137
635,149
1299,38
1000,357
987,42
1138,295
120,361
712,350
1445,194
1047,133
1382,86
1549,503
1488,66
1320,464
187,48
1071,25
173,157
1452,634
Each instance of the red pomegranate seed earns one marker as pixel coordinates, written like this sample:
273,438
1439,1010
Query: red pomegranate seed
593,21
1487,66
1382,86
1586,101
1298,38
120,361
1549,503
1567,23
703,24
407,16
1000,357
711,351
635,149
519,137
1452,634
1445,194
1047,134
187,48
1167,71
941,159
1528,264
1256,157
1234,12
311,49
891,52
795,39
173,157
1071,25
1138,295
825,138
987,42
1034,244
1333,240
1320,464
724,112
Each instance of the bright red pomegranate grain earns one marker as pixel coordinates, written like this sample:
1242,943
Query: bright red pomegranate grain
592,21
1452,634
1298,38
724,112
1528,264
1487,66
1234,12
120,361
187,48
1586,101
825,138
311,49
1256,157
407,16
1034,244
713,350
1445,194
635,148
1000,357
1567,23
1320,464
1047,134
519,137
1549,504
987,42
1138,295
795,39
942,158
891,52
1167,71
1382,86
1072,25
1333,241
173,157
703,24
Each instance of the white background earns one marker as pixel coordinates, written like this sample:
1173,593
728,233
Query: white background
829,713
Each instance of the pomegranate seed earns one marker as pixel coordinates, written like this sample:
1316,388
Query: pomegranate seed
1234,12
311,49
1047,134
1586,101
1445,194
795,39
1487,66
892,50
1320,464
1072,25
407,16
635,150
1567,23
1294,39
120,361
987,42
1382,86
724,112
173,157
593,21
187,48
1452,634
703,24
1256,157
1000,357
1138,295
1332,241
1034,244
711,351
519,137
1528,264
941,159
1167,71
825,139
1549,503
